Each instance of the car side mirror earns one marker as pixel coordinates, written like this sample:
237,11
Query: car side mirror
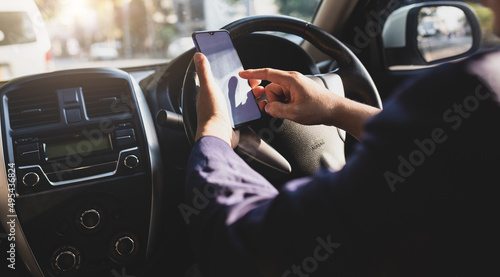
430,33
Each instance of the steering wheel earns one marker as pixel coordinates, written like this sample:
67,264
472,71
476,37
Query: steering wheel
281,149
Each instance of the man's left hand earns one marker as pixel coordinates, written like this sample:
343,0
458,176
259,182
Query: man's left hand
213,116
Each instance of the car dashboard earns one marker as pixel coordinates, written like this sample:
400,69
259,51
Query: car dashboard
98,179
81,157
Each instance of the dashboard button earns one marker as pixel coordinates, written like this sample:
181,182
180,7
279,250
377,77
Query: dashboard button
66,258
31,179
73,115
90,219
65,261
28,153
125,246
125,137
70,96
131,161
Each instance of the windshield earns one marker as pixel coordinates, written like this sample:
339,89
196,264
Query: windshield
116,33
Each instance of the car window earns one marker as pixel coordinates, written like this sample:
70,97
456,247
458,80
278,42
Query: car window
16,28
126,33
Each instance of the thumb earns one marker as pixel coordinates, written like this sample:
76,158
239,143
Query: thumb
203,68
278,109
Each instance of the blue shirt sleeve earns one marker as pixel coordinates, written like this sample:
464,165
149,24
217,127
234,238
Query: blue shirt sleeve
238,220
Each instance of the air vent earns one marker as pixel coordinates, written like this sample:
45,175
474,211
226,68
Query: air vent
107,97
32,108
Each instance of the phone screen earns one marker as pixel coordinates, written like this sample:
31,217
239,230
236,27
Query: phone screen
225,63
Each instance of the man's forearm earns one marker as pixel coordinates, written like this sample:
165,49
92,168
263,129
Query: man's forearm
351,116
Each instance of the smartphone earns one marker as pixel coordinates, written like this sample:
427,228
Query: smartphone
226,64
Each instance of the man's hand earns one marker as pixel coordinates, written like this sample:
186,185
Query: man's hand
213,117
293,96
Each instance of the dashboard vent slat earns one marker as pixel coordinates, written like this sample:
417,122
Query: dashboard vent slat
32,108
107,99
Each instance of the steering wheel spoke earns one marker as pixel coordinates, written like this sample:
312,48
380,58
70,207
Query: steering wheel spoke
331,81
255,150
359,86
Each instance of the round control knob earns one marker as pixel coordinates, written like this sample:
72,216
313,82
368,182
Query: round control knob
65,260
125,246
90,219
31,179
131,161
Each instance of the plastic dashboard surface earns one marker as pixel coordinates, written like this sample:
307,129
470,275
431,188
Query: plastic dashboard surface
80,174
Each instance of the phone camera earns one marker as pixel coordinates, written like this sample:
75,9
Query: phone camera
211,33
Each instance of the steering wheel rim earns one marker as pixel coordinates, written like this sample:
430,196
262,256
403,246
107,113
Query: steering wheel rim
355,79
325,42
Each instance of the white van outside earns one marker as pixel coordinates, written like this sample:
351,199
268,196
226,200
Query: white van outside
24,42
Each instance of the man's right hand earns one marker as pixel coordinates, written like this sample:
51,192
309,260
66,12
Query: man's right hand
293,96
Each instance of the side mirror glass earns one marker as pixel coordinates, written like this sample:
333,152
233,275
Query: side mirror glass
443,32
430,33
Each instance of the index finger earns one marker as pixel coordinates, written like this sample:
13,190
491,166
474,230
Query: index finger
279,77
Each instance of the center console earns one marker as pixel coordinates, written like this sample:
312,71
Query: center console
82,154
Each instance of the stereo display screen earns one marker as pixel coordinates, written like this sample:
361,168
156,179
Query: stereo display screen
79,146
